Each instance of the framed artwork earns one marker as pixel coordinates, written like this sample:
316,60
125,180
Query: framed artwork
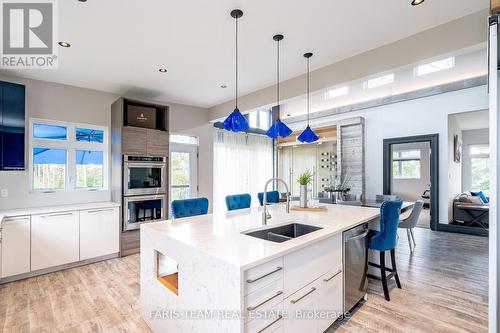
457,148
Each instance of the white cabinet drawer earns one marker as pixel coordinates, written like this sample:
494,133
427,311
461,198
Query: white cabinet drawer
329,304
99,232
263,299
54,239
299,308
272,323
307,264
262,275
15,246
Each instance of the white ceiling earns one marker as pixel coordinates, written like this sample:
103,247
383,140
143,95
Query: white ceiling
118,45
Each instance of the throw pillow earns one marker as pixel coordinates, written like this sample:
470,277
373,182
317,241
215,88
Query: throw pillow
476,200
481,195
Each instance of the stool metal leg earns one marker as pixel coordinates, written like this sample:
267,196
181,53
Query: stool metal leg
413,237
409,239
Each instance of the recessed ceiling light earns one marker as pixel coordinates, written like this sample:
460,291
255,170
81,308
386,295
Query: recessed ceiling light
82,0
223,86
64,44
162,70
417,2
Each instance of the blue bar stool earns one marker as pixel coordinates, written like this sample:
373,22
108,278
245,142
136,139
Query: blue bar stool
189,207
272,197
238,201
386,240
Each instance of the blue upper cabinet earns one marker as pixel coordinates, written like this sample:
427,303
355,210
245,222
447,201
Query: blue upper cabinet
12,121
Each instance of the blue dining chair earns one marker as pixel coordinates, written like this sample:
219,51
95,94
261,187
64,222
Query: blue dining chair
386,240
272,197
189,207
238,201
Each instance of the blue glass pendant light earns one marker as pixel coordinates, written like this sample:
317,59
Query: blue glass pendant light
278,128
308,135
236,122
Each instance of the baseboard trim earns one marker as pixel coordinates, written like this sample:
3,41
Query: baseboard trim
57,268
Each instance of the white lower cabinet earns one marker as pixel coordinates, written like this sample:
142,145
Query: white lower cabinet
299,308
329,303
99,232
15,246
54,239
315,307
271,321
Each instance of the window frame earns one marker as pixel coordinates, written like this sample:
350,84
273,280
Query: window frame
71,145
400,161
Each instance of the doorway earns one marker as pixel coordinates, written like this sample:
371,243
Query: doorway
411,171
183,163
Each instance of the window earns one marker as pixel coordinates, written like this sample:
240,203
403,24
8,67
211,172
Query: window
52,132
406,164
480,168
260,119
49,169
89,169
331,94
378,81
187,139
435,66
67,156
89,135
236,156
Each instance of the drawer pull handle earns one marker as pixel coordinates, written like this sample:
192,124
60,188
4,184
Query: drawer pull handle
334,275
271,324
101,210
308,293
251,308
263,276
56,215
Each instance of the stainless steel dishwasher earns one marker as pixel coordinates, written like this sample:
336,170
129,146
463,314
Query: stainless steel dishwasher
355,253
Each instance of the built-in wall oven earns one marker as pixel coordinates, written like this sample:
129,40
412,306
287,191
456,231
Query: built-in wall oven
144,175
143,208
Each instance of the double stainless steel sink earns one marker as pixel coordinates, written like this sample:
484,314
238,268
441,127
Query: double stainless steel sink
283,233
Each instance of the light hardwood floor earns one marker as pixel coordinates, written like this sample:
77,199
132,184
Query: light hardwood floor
445,287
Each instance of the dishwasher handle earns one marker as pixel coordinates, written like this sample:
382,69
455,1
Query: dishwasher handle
363,235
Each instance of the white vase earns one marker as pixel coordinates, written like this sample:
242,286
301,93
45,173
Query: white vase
303,196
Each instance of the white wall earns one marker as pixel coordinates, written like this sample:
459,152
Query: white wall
67,103
454,168
194,121
412,189
416,117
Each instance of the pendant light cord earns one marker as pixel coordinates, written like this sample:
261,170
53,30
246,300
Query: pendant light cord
307,91
278,77
236,85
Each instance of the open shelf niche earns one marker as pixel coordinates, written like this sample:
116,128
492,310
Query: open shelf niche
167,272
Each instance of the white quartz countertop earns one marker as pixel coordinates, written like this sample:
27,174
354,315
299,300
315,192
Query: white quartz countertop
55,209
219,234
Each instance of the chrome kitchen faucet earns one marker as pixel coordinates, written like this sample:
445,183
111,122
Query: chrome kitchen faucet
265,214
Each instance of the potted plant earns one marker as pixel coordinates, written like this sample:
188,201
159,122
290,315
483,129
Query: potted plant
305,178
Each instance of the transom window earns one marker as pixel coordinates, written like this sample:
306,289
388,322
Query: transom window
406,164
66,156
260,119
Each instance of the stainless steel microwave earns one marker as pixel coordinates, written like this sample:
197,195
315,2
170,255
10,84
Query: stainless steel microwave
144,175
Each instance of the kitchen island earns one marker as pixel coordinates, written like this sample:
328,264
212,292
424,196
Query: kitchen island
204,274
